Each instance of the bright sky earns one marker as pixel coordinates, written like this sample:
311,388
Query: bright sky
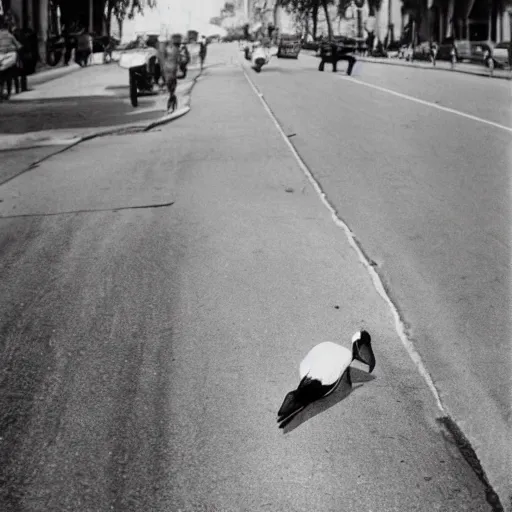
178,15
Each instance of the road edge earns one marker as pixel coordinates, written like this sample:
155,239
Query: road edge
390,62
447,423
184,97
65,144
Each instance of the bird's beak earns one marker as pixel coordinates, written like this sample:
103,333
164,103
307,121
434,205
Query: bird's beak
366,356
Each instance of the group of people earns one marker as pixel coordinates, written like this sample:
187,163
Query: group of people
10,70
174,57
8,43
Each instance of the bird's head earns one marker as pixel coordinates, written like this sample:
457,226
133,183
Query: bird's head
362,349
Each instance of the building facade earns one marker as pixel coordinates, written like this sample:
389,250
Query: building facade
30,14
475,20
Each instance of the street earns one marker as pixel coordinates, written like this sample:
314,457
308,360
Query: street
426,193
160,289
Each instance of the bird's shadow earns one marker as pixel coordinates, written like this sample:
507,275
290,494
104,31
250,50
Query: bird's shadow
318,407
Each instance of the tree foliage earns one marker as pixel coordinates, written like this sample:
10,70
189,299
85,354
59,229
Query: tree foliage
343,5
228,9
75,13
374,6
310,8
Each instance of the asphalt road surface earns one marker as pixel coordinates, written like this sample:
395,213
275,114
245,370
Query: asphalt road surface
417,163
158,293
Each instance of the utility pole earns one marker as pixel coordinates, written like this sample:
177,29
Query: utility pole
391,36
91,13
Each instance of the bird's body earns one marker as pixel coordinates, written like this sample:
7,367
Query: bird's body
322,370
326,362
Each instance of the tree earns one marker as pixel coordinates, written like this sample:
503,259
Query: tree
228,10
374,6
325,5
314,15
343,5
304,9
415,8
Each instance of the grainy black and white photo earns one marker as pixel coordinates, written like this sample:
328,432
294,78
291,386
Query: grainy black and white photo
255,256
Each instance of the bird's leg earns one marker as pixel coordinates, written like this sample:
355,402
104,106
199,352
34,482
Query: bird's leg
349,378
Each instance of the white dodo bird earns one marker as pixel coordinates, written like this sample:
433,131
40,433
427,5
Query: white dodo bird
321,372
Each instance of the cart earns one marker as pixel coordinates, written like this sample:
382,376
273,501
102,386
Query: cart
144,70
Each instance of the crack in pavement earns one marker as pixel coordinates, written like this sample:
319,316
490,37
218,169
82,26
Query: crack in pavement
401,326
464,447
121,130
93,210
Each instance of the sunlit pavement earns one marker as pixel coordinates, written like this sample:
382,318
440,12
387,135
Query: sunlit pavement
78,104
417,164
160,290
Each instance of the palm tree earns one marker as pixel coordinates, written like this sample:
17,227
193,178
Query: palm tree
415,8
374,6
306,7
325,5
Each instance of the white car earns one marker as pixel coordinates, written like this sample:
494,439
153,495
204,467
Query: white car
143,66
501,54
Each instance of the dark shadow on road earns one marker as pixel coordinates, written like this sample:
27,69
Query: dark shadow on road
22,116
341,393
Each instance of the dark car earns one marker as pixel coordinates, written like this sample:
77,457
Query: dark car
310,45
461,50
501,55
105,45
288,46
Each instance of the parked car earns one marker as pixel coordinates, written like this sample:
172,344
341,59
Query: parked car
310,45
345,44
106,45
141,61
501,55
288,46
481,52
421,51
461,47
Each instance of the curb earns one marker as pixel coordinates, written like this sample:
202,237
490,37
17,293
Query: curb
475,72
48,75
117,130
404,64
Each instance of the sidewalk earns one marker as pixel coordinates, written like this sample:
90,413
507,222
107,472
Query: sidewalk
48,74
460,67
254,271
441,65
83,103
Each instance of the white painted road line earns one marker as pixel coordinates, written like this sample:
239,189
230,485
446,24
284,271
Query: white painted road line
428,104
377,281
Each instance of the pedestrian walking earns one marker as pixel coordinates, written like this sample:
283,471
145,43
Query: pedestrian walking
8,43
9,74
184,60
202,50
434,48
169,55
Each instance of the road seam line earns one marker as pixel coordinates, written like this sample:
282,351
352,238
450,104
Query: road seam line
463,445
428,103
91,210
378,284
